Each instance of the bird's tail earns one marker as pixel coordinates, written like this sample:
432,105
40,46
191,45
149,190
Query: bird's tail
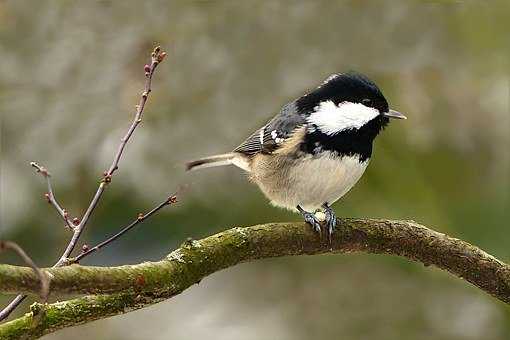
207,162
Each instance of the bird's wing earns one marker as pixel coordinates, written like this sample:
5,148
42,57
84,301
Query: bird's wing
271,136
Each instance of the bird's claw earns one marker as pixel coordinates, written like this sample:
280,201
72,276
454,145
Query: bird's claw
330,219
312,220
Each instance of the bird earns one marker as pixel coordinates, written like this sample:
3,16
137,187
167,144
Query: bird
315,149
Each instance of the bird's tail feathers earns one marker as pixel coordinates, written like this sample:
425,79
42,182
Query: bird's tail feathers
212,161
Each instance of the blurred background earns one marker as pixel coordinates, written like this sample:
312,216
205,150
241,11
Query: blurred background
71,73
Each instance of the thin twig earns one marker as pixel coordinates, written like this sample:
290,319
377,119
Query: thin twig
43,278
50,196
4,313
157,56
140,218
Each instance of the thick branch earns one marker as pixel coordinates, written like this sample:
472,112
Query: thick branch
136,286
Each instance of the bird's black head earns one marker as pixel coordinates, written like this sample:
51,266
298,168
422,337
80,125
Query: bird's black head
347,87
345,113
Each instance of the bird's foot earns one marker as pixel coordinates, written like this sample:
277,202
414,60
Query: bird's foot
311,219
330,219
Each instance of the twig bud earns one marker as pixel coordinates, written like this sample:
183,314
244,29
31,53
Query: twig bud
65,213
172,199
161,56
147,68
107,178
140,216
84,248
47,196
76,221
40,169
157,49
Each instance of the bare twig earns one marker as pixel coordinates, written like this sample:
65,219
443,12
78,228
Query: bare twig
157,56
4,313
50,196
140,218
43,278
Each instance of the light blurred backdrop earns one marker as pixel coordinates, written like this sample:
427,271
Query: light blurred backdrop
71,73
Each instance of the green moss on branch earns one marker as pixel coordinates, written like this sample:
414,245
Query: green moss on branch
125,288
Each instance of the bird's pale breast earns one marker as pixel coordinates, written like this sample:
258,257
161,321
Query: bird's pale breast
309,181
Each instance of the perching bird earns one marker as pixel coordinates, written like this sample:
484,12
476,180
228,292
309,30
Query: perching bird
314,151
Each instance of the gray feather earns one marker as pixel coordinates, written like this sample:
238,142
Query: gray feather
268,138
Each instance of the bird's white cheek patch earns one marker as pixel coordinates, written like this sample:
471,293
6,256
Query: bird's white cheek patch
331,119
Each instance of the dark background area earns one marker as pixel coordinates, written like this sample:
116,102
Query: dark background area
71,73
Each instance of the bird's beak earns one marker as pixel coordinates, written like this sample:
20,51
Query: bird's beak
394,114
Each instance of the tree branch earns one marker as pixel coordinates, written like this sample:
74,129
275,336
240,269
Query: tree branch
43,279
77,225
136,286
139,219
50,197
156,57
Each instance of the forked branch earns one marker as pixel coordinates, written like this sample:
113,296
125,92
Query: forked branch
156,57
139,219
50,196
44,281
78,225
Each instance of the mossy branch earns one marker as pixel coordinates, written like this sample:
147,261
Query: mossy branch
125,288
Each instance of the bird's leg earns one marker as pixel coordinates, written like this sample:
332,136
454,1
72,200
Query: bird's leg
310,219
330,219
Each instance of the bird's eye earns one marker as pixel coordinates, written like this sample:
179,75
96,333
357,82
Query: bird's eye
366,101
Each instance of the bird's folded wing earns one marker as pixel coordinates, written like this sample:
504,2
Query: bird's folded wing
271,136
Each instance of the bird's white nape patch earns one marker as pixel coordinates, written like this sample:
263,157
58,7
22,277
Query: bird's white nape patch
331,118
330,78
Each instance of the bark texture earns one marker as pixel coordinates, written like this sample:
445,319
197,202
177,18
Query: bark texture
118,290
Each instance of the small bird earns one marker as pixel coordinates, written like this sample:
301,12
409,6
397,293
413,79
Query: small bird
316,148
